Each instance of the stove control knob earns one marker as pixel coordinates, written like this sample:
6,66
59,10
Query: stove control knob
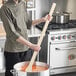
71,57
69,36
59,37
53,38
64,37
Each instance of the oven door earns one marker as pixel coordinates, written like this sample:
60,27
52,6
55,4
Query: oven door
63,55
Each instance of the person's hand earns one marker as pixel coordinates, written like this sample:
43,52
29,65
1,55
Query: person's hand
35,47
48,17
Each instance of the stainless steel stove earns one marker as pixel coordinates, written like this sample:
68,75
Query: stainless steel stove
61,47
62,51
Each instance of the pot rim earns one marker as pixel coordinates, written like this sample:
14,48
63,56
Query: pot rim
17,66
61,14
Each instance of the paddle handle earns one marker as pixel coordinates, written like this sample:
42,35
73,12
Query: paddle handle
41,38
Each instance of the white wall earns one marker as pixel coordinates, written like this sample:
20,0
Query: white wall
71,6
60,4
42,6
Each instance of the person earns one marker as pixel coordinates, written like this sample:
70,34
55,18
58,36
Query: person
16,21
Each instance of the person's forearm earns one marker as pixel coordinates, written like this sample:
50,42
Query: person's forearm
24,41
37,21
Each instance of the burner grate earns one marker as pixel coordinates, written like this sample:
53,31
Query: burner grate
54,26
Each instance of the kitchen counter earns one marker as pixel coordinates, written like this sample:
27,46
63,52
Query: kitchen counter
2,35
2,31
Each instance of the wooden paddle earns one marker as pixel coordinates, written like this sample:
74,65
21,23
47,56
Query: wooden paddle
29,68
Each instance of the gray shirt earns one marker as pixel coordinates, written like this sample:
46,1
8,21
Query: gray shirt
16,22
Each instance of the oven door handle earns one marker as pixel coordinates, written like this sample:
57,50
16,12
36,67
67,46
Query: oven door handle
69,48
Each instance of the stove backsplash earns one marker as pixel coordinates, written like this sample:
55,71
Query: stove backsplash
65,5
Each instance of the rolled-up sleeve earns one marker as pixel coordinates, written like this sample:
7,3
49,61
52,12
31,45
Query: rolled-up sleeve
6,17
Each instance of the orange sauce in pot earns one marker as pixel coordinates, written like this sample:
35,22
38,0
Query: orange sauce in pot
35,68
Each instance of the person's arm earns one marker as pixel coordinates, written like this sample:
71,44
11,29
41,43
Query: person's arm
43,19
37,21
34,47
7,17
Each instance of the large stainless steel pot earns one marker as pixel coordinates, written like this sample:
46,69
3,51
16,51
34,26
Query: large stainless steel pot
61,17
17,72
